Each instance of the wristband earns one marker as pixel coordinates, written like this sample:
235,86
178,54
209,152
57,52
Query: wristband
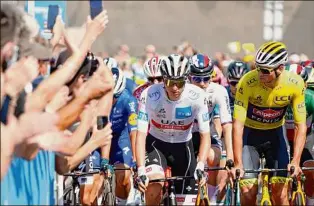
200,165
141,171
104,161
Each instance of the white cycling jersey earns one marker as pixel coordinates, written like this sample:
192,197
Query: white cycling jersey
217,95
172,121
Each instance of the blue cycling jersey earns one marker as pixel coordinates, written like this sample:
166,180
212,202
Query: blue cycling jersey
124,113
123,118
130,85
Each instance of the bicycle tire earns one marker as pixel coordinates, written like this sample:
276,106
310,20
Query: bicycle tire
265,204
298,200
109,192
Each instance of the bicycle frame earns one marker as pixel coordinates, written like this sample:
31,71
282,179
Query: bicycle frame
265,200
298,196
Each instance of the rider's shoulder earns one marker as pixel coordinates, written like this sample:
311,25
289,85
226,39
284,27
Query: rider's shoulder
194,92
153,91
216,88
292,79
250,79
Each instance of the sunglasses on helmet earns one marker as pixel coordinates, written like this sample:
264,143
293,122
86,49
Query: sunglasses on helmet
199,79
171,82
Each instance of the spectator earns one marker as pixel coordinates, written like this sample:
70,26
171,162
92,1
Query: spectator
150,51
294,58
35,187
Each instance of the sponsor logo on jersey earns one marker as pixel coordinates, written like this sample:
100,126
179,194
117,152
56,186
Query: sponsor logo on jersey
161,113
241,90
282,100
126,150
193,95
252,82
132,106
293,80
143,116
183,113
258,100
154,96
132,119
266,115
205,117
142,100
239,103
301,107
167,124
209,101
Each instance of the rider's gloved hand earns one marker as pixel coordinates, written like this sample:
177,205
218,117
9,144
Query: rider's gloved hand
142,179
199,174
106,167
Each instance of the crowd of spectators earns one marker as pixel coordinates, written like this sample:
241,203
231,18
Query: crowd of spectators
43,93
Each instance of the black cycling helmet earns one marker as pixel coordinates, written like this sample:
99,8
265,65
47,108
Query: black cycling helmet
201,65
237,69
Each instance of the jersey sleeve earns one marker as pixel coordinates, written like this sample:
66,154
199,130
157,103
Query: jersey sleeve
132,109
216,113
202,116
309,102
298,103
241,100
224,106
143,118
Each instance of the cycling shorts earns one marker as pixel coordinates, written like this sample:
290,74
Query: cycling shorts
91,163
308,151
121,150
178,156
215,142
276,154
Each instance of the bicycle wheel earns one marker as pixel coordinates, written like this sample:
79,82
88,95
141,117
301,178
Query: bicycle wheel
299,199
266,203
109,191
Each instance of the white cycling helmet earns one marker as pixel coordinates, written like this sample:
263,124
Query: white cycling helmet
120,81
111,62
271,54
152,67
174,66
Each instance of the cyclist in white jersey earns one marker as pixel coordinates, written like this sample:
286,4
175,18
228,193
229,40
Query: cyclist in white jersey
153,75
171,108
201,71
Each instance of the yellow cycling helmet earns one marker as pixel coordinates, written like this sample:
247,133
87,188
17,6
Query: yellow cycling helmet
271,54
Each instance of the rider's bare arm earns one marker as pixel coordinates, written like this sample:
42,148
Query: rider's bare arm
237,131
227,131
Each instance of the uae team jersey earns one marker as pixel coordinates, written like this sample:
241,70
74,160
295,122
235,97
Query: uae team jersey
172,121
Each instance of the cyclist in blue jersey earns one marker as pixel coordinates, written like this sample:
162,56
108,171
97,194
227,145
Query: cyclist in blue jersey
130,85
112,63
123,118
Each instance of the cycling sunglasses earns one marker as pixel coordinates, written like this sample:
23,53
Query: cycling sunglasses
171,82
152,79
234,83
198,79
265,70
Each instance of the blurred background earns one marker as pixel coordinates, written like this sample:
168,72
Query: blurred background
207,25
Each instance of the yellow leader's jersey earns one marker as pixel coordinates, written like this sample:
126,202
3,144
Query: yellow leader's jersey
260,107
